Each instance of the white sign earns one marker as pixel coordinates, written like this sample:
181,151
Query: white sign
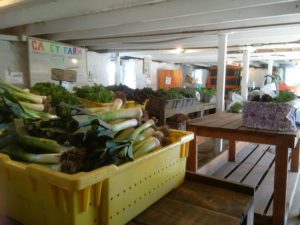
45,55
14,77
168,80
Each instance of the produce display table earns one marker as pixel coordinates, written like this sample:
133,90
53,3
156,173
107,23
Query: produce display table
202,200
163,114
230,126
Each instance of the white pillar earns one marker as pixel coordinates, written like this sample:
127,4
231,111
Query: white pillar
245,74
220,107
222,54
118,69
270,67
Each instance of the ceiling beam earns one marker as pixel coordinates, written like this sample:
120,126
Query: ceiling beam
183,38
64,8
191,21
148,13
203,44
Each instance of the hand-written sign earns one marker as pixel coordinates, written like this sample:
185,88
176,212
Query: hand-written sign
49,47
45,55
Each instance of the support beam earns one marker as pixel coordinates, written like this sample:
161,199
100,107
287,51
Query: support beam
222,54
245,74
118,69
155,12
185,21
270,66
269,35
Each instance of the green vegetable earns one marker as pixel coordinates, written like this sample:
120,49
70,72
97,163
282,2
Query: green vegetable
43,144
285,96
35,107
18,153
146,147
237,107
57,93
21,94
147,133
96,93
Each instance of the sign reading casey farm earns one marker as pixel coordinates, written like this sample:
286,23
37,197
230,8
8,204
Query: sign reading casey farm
45,55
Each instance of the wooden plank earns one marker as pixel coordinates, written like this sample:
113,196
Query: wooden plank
214,164
255,176
210,119
264,192
248,164
171,212
292,182
191,109
221,183
225,121
234,125
219,161
214,197
229,166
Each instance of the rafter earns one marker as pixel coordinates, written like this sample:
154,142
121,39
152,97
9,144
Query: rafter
281,11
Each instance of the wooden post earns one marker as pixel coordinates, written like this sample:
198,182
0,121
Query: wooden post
232,150
295,157
280,182
192,160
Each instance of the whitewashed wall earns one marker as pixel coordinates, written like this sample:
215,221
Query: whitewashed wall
99,69
14,58
139,78
257,75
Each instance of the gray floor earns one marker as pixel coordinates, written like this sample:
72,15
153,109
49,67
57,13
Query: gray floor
294,218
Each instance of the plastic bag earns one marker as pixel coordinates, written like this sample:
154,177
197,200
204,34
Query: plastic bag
272,88
236,106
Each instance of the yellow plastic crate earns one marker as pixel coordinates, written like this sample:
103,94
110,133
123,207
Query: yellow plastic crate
111,195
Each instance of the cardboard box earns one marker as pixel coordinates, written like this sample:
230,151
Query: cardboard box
63,75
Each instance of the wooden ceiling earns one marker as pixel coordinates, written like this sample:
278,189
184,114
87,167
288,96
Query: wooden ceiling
155,27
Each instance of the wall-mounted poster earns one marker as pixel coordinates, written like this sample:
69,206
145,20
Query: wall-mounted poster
45,55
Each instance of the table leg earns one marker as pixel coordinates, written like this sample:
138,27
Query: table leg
232,150
280,185
295,158
192,160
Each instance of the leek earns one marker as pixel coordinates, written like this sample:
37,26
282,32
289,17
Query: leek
35,107
121,114
117,104
123,125
147,133
146,147
40,143
20,154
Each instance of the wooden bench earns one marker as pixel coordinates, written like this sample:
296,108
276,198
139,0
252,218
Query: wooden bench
202,200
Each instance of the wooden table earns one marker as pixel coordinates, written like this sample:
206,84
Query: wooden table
229,126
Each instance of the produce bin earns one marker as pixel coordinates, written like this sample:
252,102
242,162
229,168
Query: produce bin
91,104
111,195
